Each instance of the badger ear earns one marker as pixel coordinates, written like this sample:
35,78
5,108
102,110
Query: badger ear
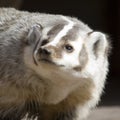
34,34
98,43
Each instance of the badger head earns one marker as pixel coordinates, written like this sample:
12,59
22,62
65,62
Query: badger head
69,44
66,52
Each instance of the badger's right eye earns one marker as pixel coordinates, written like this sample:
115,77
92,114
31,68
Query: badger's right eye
68,48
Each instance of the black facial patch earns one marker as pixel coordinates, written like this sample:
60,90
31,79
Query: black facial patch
72,33
83,58
56,29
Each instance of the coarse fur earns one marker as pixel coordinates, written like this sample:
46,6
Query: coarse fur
52,67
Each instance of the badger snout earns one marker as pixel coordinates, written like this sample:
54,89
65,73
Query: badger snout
44,51
45,54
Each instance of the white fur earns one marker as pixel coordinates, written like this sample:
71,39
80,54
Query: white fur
71,60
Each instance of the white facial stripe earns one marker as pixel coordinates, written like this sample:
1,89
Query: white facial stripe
63,32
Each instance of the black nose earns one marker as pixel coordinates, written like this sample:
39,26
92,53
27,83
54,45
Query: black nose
44,51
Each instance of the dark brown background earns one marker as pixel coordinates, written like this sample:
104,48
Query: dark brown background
101,15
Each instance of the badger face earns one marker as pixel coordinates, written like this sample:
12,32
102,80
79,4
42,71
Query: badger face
64,48
64,53
70,45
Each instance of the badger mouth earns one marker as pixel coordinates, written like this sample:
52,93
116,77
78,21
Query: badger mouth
44,60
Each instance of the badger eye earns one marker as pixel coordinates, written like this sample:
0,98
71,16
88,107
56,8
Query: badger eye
68,48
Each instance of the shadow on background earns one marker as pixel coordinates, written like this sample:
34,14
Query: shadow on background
101,15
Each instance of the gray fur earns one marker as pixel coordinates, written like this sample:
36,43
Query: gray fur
56,29
72,34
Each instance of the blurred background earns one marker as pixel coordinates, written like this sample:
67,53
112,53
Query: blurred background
101,15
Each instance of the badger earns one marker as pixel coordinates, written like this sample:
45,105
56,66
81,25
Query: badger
52,67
